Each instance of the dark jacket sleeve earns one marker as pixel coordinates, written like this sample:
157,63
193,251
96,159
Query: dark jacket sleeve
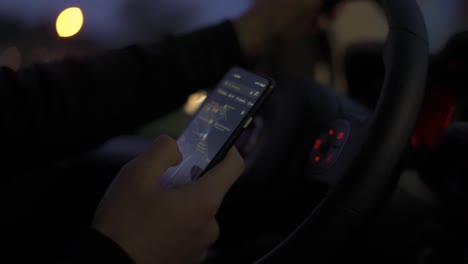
94,247
51,111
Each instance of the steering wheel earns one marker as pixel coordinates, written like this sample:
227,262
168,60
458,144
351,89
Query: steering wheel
357,151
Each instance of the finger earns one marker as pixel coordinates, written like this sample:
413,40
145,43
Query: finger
211,233
214,185
199,258
208,236
163,154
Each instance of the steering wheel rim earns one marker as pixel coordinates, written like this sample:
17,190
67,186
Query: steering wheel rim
368,182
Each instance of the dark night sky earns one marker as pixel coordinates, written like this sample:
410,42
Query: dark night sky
105,22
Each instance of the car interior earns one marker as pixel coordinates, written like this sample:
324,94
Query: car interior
358,155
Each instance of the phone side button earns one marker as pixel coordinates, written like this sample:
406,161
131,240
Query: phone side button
248,122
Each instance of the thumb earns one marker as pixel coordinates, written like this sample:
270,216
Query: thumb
163,154
216,182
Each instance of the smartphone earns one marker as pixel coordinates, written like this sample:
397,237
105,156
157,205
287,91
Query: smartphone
225,113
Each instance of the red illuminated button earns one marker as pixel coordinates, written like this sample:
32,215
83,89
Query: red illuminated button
318,144
340,136
317,159
331,132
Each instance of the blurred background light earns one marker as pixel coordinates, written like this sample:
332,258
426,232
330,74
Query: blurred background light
69,22
194,101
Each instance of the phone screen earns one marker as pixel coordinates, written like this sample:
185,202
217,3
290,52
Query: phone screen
228,107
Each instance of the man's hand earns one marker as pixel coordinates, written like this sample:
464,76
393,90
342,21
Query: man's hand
165,226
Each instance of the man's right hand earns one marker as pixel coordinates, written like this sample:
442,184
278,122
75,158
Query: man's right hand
165,226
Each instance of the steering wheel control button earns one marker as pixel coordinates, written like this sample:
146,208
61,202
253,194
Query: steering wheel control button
332,155
340,136
318,144
249,121
328,147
